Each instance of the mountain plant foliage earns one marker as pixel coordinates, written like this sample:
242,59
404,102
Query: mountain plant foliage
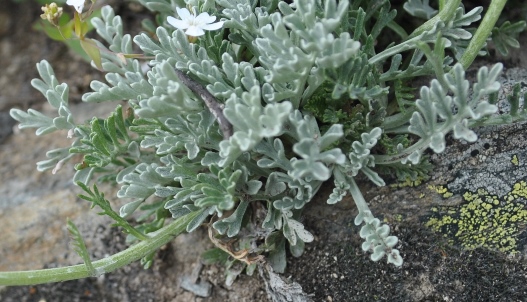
238,129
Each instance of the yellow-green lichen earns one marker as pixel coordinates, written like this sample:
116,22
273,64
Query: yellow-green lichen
515,161
396,217
484,220
441,190
518,190
408,182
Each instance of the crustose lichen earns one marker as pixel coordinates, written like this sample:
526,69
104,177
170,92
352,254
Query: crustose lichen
484,220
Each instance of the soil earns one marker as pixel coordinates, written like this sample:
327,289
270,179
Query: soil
333,267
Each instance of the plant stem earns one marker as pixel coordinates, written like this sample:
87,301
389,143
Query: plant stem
398,29
445,14
420,145
404,46
357,196
106,265
212,104
397,120
483,32
441,4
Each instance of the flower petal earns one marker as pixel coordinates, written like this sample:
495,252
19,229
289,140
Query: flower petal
194,31
77,4
212,26
205,18
183,13
181,24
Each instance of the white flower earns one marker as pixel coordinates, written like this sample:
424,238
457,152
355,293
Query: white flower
77,4
194,25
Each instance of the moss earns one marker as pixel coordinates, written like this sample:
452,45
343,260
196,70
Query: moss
484,220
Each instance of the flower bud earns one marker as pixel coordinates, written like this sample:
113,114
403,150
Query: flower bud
51,13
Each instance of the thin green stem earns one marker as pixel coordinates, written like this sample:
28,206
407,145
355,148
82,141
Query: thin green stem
404,46
106,265
441,4
445,14
498,120
483,32
397,120
395,158
398,29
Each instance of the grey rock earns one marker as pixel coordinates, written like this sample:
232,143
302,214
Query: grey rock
6,125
